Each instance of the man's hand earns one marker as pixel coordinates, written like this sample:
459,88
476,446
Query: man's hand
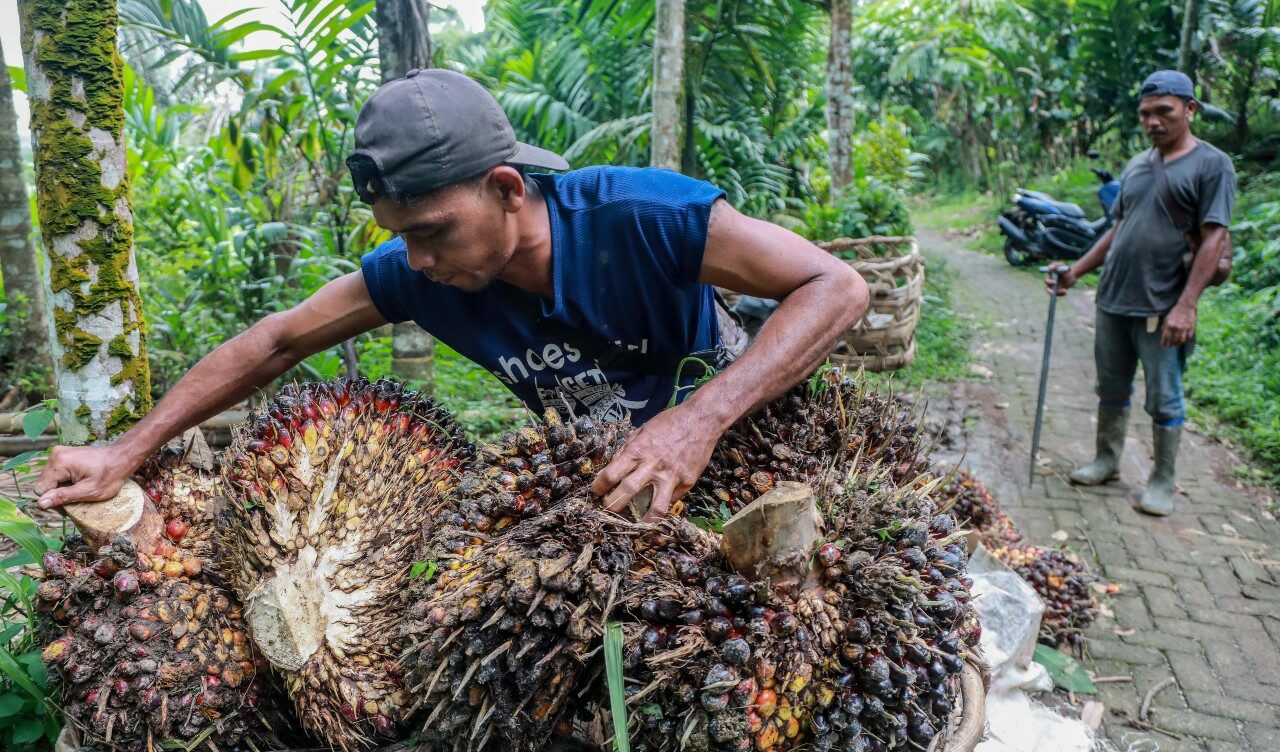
83,473
1179,325
1066,278
669,453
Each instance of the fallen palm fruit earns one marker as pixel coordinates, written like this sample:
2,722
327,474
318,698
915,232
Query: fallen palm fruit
331,491
974,507
1064,585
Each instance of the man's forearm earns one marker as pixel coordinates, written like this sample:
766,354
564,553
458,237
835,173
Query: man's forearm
795,340
225,377
1204,265
1096,256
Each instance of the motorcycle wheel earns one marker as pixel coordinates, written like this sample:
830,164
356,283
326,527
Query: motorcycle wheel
1015,255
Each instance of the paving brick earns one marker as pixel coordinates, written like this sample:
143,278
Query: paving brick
1131,612
1214,703
1263,737
1193,672
1194,593
1163,601
1124,572
1198,631
1222,618
1248,606
1165,642
1191,723
1114,650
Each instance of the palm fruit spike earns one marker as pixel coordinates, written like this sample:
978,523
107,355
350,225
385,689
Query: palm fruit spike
141,651
500,641
330,491
830,420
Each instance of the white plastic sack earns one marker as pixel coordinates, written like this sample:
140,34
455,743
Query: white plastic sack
1010,612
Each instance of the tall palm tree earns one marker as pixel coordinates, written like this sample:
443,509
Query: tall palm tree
668,84
82,193
404,43
840,94
22,286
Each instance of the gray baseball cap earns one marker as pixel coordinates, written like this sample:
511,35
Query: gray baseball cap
1165,83
430,129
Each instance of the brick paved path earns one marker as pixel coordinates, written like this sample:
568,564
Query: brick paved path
1199,599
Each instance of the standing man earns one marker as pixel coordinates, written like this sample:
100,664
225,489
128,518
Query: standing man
585,291
1152,280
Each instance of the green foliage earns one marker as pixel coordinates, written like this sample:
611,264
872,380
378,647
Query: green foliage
868,207
27,377
942,336
483,405
28,720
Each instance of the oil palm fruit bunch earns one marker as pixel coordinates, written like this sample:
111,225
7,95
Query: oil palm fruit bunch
973,506
1065,586
831,420
331,490
861,655
501,637
143,648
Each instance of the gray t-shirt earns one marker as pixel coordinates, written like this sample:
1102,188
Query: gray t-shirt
1145,271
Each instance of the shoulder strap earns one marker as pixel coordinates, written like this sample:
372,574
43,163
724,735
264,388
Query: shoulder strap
607,354
1181,219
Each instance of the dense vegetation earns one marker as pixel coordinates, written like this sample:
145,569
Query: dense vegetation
243,208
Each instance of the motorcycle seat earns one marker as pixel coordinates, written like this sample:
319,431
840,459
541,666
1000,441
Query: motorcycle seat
1066,207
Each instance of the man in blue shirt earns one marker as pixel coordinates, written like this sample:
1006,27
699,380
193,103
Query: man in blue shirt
580,291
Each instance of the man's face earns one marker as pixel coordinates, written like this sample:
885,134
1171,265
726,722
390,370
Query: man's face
461,235
1165,119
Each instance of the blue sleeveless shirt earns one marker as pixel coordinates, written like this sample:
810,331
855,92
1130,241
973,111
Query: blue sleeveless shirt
627,247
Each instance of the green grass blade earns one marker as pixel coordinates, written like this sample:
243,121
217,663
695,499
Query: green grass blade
10,668
617,690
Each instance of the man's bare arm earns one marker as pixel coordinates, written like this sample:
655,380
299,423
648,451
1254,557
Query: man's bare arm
225,377
1180,323
820,296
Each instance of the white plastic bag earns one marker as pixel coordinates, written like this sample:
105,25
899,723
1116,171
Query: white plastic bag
1010,612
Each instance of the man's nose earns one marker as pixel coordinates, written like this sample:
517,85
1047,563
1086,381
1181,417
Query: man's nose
419,259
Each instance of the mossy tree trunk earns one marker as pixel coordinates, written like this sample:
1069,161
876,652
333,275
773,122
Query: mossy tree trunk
1186,42
22,287
840,94
76,90
666,140
404,43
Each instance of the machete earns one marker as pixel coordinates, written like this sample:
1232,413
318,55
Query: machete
1044,372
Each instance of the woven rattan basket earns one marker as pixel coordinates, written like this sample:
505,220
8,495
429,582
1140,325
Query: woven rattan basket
885,338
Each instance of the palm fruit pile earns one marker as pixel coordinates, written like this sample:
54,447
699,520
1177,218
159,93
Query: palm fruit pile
331,489
505,638
146,646
974,507
829,420
861,656
1059,577
1065,586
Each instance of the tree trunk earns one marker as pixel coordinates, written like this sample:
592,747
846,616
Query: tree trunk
404,43
1190,21
666,141
840,94
23,289
76,90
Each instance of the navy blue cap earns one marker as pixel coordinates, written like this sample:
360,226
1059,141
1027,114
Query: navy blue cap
1167,83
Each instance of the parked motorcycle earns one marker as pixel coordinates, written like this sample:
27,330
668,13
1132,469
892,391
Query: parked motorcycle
1039,228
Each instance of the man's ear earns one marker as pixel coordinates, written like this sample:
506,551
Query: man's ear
508,182
1193,106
